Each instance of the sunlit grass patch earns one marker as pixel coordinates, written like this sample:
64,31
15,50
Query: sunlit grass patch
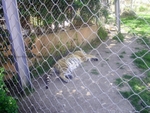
139,25
138,94
142,59
139,87
144,41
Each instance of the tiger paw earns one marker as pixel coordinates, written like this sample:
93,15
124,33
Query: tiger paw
94,59
66,78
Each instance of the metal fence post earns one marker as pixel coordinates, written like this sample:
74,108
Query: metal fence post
18,49
117,13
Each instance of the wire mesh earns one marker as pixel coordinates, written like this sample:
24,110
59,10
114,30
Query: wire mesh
118,82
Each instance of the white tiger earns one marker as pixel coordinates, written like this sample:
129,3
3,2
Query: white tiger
64,66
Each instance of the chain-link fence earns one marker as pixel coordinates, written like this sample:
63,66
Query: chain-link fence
52,32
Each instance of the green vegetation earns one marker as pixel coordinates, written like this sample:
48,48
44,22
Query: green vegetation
93,44
40,67
121,56
138,93
123,52
139,25
121,81
144,41
120,66
46,12
119,37
94,72
106,59
4,43
142,59
128,13
7,103
118,63
102,33
143,8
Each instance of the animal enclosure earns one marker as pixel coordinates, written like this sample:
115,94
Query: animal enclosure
52,30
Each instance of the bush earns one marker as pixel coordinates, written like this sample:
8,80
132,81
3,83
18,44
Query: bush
102,33
128,13
142,9
7,103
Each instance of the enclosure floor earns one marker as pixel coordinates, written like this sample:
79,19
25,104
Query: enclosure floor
92,90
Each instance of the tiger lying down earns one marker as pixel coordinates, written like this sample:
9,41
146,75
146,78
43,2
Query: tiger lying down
63,67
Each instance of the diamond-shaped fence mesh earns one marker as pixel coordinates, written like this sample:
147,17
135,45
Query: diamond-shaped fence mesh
53,30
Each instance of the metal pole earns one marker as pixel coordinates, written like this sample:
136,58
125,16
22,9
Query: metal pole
131,4
117,12
18,49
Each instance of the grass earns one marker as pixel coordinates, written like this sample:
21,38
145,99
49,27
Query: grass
106,59
120,81
121,56
120,66
138,94
119,37
144,41
139,25
123,52
94,72
142,59
143,8
137,48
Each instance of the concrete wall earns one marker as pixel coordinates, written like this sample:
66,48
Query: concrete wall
71,37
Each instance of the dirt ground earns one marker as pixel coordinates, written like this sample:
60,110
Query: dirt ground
92,90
